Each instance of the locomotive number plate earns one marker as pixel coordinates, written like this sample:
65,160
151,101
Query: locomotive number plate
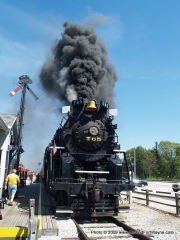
93,139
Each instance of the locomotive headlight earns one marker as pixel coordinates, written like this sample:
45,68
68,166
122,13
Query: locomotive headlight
94,131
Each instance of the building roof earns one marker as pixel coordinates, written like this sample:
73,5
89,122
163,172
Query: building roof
7,121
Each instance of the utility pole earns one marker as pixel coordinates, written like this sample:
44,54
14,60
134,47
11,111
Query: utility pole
156,148
135,164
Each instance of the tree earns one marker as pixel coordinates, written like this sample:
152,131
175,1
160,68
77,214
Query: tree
170,158
150,164
162,161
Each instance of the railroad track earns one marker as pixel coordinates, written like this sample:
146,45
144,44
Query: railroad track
106,228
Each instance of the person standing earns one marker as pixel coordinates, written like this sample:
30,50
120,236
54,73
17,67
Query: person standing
31,177
12,180
37,178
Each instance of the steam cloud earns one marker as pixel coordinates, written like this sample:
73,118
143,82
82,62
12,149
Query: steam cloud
79,67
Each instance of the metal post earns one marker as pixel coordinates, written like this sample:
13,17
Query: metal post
129,194
147,197
126,164
21,123
33,224
31,208
177,199
51,164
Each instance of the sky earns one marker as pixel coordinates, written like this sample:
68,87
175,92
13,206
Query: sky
142,40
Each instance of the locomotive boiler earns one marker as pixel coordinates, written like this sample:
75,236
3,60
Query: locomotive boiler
83,167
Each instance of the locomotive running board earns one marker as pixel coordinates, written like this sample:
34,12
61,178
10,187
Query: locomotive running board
64,211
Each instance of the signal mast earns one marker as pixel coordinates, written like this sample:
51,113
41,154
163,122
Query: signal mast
24,80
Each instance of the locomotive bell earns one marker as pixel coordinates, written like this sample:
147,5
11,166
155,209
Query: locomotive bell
91,106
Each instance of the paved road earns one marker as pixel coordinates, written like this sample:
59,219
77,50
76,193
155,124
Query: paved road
159,186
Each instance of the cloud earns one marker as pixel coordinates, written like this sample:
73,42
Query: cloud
109,27
97,19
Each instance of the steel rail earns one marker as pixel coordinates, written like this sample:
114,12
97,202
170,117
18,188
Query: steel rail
83,235
129,229
133,232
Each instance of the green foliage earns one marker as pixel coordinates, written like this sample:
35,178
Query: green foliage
160,162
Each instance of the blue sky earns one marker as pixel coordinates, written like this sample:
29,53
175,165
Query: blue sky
142,40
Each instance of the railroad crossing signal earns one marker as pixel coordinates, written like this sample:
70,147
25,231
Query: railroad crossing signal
12,93
24,80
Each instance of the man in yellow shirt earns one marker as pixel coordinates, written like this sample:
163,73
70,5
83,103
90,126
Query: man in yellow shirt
12,179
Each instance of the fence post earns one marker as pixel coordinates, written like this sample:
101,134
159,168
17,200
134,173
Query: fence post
147,197
177,199
33,224
129,196
31,208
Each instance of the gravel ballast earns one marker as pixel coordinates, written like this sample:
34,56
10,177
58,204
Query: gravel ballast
155,222
158,224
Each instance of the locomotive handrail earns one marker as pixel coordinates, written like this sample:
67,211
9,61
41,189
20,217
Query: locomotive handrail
98,172
58,147
91,154
107,154
119,151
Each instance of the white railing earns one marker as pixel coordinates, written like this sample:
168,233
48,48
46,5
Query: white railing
163,195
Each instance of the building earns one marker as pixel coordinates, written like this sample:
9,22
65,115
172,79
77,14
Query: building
8,145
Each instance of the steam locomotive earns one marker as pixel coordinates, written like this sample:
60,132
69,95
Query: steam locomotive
82,169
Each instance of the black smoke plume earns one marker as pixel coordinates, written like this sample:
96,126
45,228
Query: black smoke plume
79,67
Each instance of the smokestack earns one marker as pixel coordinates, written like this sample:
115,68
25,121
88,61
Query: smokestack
79,67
